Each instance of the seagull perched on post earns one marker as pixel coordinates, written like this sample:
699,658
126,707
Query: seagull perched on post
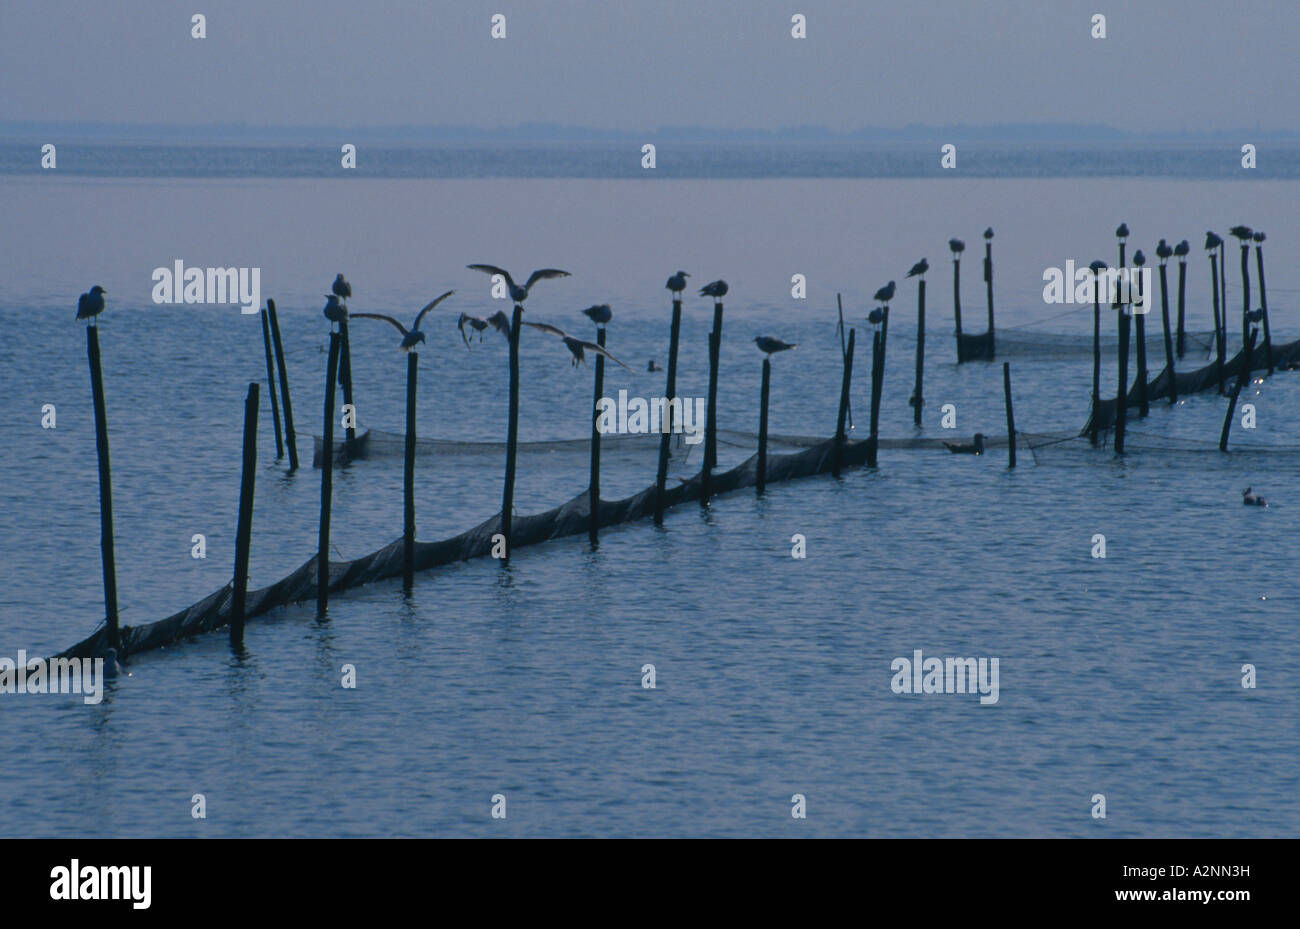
1243,233
600,314
577,347
1258,236
520,294
342,289
1181,249
717,290
91,304
336,311
988,233
957,246
885,294
1212,241
1122,231
919,268
1163,251
876,316
677,283
413,336
771,346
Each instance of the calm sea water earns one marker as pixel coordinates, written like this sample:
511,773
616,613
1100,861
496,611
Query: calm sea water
1118,676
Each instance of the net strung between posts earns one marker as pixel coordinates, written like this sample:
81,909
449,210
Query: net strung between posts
1191,382
570,518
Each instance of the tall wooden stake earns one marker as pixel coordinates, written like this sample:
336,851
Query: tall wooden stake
345,378
1011,415
593,488
918,399
408,474
1121,401
956,302
1182,290
244,529
1242,377
270,385
512,433
761,483
1218,324
846,381
327,480
289,436
661,477
105,489
1263,303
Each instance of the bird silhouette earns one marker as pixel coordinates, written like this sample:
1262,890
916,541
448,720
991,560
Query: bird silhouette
919,268
957,246
962,448
520,294
1255,315
652,367
1182,248
413,336
577,347
600,314
771,346
988,233
91,304
1163,251
1212,241
717,290
1244,233
876,316
1097,267
500,322
677,283
336,311
1259,237
1252,499
342,289
885,294
1122,231
474,322
1139,259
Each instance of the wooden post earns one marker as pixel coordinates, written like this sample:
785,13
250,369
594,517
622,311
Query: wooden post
105,489
1223,290
715,353
988,281
408,474
512,432
918,399
706,475
327,481
1263,303
1011,416
270,386
1169,344
845,381
244,529
956,302
661,478
1245,291
1218,327
1096,354
843,348
1182,290
1121,402
877,369
593,488
1140,321
289,437
345,378
762,425
1242,377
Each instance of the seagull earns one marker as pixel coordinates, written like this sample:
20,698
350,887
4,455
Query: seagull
1259,237
599,314
677,283
960,448
413,336
876,316
1255,315
652,366
717,290
1139,259
957,246
1163,251
770,345
919,268
1243,233
90,305
517,293
885,294
335,310
1212,241
576,346
1097,267
1182,248
500,322
478,325
1122,231
111,666
1251,499
342,289
988,233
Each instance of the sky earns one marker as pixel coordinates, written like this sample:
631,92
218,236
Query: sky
645,64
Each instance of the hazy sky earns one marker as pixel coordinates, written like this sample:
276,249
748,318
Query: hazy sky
642,64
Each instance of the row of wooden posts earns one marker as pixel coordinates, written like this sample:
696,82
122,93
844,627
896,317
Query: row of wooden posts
1219,303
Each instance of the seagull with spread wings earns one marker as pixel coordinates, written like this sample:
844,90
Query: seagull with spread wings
413,336
576,346
520,294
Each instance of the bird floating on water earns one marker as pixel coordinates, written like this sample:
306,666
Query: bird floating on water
1182,248
520,294
476,323
652,367
771,346
974,448
336,311
885,294
600,314
1163,251
957,246
91,304
342,289
677,283
577,347
1251,499
1244,233
919,268
413,336
717,290
111,666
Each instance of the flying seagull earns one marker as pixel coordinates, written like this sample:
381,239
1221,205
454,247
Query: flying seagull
500,322
919,268
885,294
961,448
957,246
517,293
413,336
717,290
600,314
90,305
770,345
677,283
576,346
1243,233
475,322
342,289
335,310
